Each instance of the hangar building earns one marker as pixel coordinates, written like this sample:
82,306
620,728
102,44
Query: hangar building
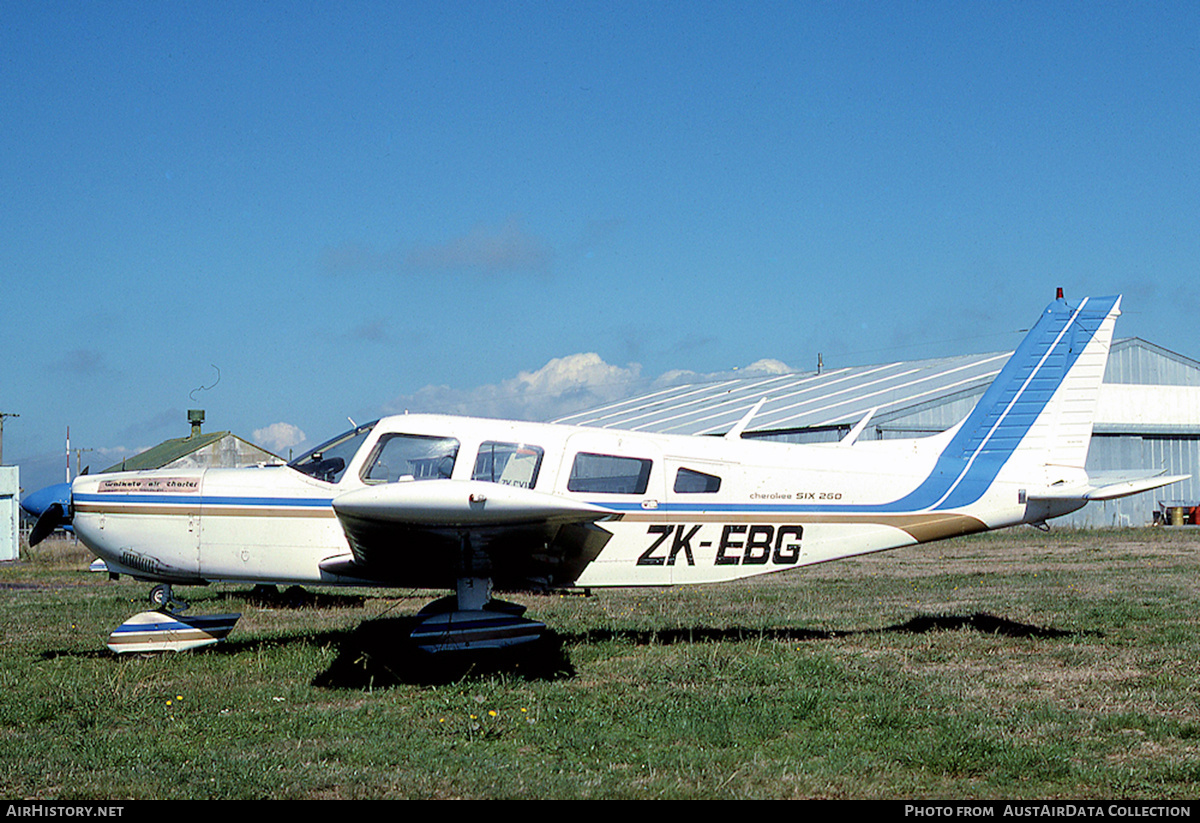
1148,418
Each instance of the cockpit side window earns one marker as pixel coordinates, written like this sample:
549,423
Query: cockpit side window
510,464
328,461
689,481
411,457
609,474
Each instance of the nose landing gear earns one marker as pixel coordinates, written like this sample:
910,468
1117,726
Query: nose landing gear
163,598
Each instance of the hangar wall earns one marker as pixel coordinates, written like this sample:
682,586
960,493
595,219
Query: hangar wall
1148,420
1178,454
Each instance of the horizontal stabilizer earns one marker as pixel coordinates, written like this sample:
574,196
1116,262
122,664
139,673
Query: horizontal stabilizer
1134,485
1109,487
474,630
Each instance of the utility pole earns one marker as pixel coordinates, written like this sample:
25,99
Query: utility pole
78,453
2,416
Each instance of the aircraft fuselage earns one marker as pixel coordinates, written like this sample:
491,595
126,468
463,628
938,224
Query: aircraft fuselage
679,509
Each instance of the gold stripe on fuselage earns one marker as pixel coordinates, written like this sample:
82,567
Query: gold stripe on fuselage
921,527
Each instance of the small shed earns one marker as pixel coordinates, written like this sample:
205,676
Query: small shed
10,514
220,449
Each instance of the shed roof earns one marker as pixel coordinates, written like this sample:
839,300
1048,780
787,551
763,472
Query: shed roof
167,452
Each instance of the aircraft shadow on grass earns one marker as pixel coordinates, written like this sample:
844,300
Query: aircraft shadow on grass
369,657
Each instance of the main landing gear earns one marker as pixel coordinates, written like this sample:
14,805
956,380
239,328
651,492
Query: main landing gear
470,619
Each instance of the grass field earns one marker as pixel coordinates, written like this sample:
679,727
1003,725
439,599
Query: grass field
1015,665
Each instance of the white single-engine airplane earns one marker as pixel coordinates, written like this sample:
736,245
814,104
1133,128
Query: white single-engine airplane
473,504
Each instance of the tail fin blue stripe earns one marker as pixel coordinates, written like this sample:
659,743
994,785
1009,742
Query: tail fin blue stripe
999,422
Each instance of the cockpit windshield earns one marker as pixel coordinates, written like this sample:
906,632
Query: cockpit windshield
328,461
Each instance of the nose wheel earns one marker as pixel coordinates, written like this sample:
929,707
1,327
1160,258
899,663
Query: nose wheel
163,598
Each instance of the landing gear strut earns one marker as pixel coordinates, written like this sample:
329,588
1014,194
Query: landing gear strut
163,598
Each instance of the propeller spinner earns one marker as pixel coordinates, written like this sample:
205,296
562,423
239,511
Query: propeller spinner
50,506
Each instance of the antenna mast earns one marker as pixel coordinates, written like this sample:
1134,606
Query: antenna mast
2,416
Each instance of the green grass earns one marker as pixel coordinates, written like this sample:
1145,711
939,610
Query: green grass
1018,665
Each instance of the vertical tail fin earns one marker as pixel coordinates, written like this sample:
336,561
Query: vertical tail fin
1039,410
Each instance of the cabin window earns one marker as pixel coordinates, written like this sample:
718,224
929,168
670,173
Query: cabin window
510,464
688,481
328,461
608,474
411,457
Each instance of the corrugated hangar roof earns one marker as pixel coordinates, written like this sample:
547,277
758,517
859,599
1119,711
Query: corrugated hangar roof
798,400
908,396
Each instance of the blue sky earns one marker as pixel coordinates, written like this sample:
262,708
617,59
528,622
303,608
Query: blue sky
292,213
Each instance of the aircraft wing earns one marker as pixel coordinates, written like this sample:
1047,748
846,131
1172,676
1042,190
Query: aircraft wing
431,532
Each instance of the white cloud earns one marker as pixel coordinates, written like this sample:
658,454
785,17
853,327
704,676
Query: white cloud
563,386
278,437
768,366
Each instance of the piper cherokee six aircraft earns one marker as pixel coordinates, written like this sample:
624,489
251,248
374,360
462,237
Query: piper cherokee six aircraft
473,505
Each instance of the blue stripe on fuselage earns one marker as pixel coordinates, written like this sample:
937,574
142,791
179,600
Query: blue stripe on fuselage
186,499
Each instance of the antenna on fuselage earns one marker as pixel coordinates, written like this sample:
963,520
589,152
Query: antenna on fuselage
852,436
736,432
